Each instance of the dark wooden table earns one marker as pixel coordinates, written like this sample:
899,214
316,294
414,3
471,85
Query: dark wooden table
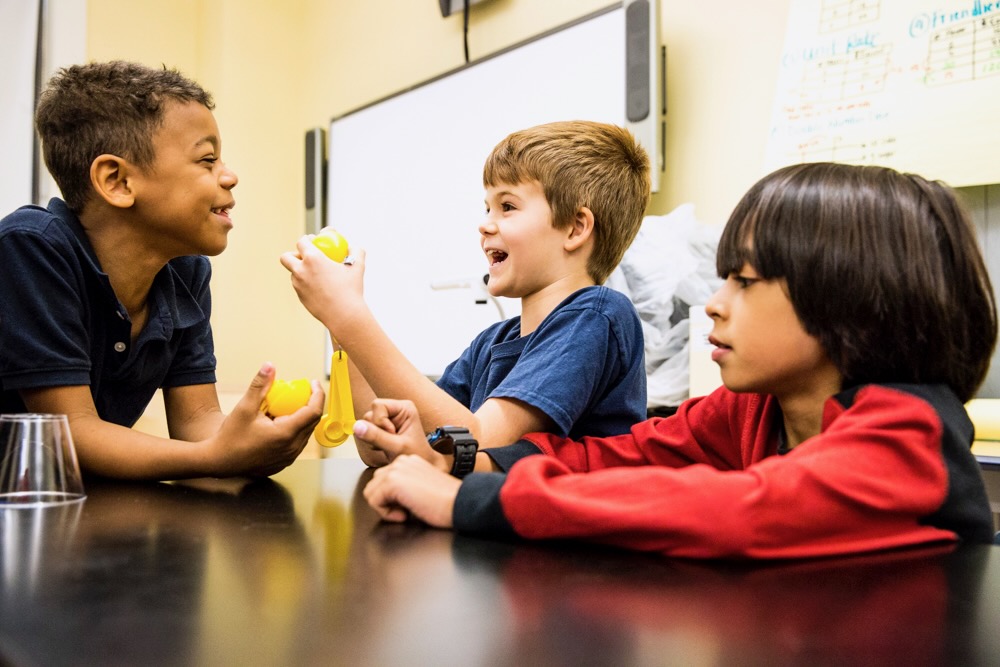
298,571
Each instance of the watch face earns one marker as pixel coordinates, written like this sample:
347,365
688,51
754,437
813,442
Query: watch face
458,442
444,445
443,439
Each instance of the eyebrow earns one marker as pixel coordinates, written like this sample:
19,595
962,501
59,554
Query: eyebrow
209,139
506,193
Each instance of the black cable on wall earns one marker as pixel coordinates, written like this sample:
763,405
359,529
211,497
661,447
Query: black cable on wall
36,146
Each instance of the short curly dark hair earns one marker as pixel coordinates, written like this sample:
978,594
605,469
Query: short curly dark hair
883,268
107,107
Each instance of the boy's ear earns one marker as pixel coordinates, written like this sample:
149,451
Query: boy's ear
109,174
581,229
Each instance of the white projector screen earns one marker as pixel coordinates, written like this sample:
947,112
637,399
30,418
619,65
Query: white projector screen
18,44
405,175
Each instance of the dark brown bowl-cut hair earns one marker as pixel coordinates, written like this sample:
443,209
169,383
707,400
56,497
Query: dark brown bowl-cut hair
883,268
105,107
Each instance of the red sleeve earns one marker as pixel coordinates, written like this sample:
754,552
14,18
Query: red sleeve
862,484
721,430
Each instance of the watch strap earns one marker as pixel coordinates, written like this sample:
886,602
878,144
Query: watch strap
459,443
465,457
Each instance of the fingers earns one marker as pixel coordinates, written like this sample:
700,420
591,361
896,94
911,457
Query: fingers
411,486
298,424
377,438
358,258
306,247
388,418
378,412
255,393
380,418
398,412
265,376
318,397
380,494
290,260
306,417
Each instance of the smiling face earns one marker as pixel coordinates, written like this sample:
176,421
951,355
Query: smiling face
761,345
184,199
525,252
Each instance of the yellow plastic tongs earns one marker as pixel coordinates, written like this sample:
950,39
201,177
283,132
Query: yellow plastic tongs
338,422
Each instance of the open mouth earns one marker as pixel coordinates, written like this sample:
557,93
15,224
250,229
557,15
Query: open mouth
495,256
224,211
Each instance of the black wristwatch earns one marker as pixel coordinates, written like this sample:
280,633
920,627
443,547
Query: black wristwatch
458,442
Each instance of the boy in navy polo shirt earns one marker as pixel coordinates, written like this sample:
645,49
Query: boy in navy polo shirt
105,294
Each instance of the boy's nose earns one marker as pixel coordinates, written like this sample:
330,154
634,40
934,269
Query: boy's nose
228,179
487,227
715,307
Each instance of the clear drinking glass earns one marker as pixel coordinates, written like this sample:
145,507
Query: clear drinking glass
38,463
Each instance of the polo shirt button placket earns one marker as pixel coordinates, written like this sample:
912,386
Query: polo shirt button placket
120,347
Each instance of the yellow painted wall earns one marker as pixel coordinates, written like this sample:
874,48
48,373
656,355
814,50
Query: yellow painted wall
280,67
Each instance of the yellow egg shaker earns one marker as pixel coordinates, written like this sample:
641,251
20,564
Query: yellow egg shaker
337,423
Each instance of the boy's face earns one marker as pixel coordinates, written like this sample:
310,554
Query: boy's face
525,253
761,345
184,198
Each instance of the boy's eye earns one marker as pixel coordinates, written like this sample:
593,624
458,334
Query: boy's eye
507,206
211,159
742,281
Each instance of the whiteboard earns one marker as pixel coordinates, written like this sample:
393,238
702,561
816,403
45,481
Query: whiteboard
18,41
909,84
405,176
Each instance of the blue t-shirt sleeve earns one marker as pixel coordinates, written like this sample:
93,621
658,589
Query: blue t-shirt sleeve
457,376
462,377
583,365
569,362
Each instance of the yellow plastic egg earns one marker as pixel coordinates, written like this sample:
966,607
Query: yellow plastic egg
332,243
286,396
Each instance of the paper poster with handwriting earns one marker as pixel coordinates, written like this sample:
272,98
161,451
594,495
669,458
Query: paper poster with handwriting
910,84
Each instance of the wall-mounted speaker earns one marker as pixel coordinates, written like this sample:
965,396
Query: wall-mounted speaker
315,179
645,81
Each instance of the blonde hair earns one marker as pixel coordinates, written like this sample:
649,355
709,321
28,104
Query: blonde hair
581,164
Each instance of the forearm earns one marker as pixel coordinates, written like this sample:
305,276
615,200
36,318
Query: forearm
361,392
362,397
110,450
244,443
767,511
389,374
193,412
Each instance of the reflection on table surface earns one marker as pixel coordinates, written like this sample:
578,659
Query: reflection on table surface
298,570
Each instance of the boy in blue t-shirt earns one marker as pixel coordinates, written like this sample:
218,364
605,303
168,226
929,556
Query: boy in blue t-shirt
105,294
563,202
